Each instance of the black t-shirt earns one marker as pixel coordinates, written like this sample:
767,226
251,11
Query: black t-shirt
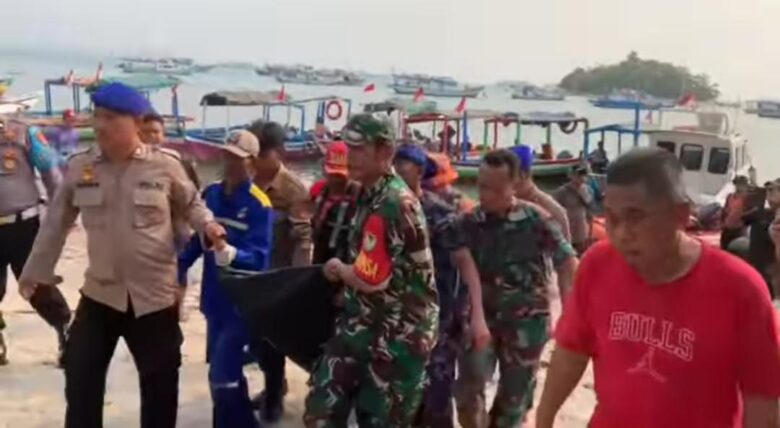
762,250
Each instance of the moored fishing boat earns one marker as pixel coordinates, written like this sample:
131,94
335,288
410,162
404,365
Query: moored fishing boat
528,92
768,109
432,86
13,104
628,99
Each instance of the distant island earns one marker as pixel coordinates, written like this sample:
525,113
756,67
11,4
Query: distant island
659,79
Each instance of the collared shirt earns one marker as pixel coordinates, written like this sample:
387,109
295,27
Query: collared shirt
390,243
19,159
511,254
441,218
292,220
247,217
127,210
577,203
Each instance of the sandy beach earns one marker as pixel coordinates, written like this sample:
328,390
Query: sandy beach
32,388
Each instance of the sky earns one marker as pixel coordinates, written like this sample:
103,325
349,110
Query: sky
472,40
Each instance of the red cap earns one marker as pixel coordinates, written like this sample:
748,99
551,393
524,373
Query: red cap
336,158
68,114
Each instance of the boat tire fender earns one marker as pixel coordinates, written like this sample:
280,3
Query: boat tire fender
568,127
334,110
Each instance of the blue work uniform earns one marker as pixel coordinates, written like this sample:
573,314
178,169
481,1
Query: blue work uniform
247,216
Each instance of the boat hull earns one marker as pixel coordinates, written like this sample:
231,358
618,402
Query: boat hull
538,98
9,105
293,150
469,169
769,114
442,93
626,104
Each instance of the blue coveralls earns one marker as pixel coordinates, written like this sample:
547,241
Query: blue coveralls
247,216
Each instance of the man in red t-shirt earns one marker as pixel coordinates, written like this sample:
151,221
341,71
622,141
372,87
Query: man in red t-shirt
681,334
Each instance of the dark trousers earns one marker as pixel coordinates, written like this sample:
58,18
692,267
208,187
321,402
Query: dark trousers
729,235
154,341
272,363
16,241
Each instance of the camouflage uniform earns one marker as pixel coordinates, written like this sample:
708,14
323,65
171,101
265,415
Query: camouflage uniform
437,408
510,255
376,359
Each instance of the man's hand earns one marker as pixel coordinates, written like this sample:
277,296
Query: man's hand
332,270
480,333
217,235
179,295
27,289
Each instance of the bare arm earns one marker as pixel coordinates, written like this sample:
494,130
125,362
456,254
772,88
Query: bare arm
761,412
566,272
566,369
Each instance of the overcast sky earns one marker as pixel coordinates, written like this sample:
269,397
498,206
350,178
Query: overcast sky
480,40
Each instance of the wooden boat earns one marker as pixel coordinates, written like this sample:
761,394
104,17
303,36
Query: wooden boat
302,143
18,104
466,157
433,86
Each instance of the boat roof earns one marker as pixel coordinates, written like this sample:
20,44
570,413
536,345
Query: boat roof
402,104
319,99
241,98
141,82
537,118
439,116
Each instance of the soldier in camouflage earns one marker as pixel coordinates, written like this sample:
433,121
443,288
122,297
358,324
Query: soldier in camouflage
375,362
412,163
509,241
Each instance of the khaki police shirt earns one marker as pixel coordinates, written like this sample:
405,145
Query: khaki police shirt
127,210
292,221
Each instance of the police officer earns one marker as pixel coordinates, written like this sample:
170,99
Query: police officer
245,211
510,241
23,151
411,163
376,359
127,194
292,234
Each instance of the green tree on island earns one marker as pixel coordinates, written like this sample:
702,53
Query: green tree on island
659,79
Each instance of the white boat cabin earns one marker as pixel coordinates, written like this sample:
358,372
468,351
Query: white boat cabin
710,153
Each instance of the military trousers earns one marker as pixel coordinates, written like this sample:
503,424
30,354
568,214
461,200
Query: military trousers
384,386
516,347
154,340
16,241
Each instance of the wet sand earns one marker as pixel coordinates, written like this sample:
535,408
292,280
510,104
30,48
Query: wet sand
32,388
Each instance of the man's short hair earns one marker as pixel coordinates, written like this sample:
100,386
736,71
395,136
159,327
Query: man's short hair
503,157
270,134
656,169
153,117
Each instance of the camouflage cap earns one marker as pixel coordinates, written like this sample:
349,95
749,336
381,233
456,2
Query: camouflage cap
366,129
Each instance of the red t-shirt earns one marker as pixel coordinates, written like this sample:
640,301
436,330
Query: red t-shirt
674,355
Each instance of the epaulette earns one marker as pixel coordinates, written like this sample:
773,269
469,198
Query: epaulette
170,152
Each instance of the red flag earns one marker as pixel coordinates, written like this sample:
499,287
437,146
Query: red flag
461,106
369,88
419,95
99,74
687,100
282,95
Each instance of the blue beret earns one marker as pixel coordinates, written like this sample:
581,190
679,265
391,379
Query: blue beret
413,154
526,156
122,99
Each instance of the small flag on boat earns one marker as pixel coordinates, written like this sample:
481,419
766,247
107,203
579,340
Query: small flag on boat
369,88
461,106
70,78
687,100
419,95
282,95
99,74
175,89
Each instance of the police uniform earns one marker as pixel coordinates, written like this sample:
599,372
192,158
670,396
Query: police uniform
376,359
20,156
127,210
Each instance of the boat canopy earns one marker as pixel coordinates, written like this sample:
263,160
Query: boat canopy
538,118
446,116
241,98
401,104
141,82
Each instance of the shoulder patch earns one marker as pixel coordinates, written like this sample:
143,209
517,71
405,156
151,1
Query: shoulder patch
170,152
261,196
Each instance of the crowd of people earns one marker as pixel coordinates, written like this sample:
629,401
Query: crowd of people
435,291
